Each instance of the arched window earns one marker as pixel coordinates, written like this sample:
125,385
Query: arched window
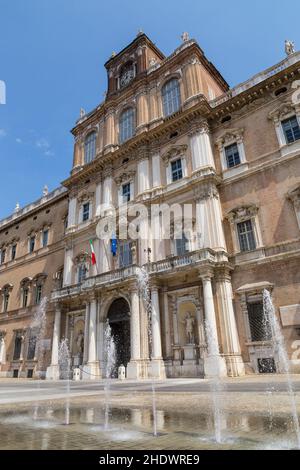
90,147
171,97
126,124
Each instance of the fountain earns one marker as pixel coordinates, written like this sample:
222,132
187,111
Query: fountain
143,283
110,359
64,372
38,326
280,352
216,384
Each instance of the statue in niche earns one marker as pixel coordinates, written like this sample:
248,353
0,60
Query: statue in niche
80,342
189,323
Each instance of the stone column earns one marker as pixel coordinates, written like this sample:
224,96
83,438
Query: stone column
86,333
2,348
156,171
228,327
201,149
157,364
98,199
143,113
77,155
209,217
53,370
214,364
168,346
72,212
109,131
101,329
91,371
107,188
133,367
68,265
143,175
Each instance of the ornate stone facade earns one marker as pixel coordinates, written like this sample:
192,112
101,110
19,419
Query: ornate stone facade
169,133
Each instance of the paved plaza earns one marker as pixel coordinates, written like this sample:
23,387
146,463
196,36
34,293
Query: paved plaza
255,413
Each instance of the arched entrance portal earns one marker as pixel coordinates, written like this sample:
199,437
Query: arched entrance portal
119,321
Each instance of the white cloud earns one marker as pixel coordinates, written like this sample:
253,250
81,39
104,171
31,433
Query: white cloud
49,153
18,140
2,133
42,143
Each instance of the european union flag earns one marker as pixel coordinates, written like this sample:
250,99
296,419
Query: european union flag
114,245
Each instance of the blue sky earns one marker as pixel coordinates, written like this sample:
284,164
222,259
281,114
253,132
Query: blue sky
52,56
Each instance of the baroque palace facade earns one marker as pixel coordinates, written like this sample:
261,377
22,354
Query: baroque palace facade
170,131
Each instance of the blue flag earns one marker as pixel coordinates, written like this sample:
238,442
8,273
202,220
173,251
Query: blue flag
114,245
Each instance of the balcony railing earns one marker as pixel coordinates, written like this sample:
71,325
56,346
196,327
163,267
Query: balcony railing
119,275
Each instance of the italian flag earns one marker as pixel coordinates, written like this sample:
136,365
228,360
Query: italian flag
93,256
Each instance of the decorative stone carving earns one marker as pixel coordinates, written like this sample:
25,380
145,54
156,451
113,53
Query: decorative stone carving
189,323
80,342
242,213
174,151
17,208
289,47
205,191
84,196
198,126
2,335
152,61
185,37
294,196
126,176
282,111
229,136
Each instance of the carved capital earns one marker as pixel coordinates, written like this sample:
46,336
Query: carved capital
205,191
198,126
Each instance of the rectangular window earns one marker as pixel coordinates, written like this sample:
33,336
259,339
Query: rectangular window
5,301
81,273
176,170
85,211
126,193
38,294
246,236
232,155
125,254
2,259
31,244
45,238
25,297
18,346
260,327
291,129
13,252
181,245
31,347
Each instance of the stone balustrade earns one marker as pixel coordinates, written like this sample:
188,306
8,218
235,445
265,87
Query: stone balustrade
130,272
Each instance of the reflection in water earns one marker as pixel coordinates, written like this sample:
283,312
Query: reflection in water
133,427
